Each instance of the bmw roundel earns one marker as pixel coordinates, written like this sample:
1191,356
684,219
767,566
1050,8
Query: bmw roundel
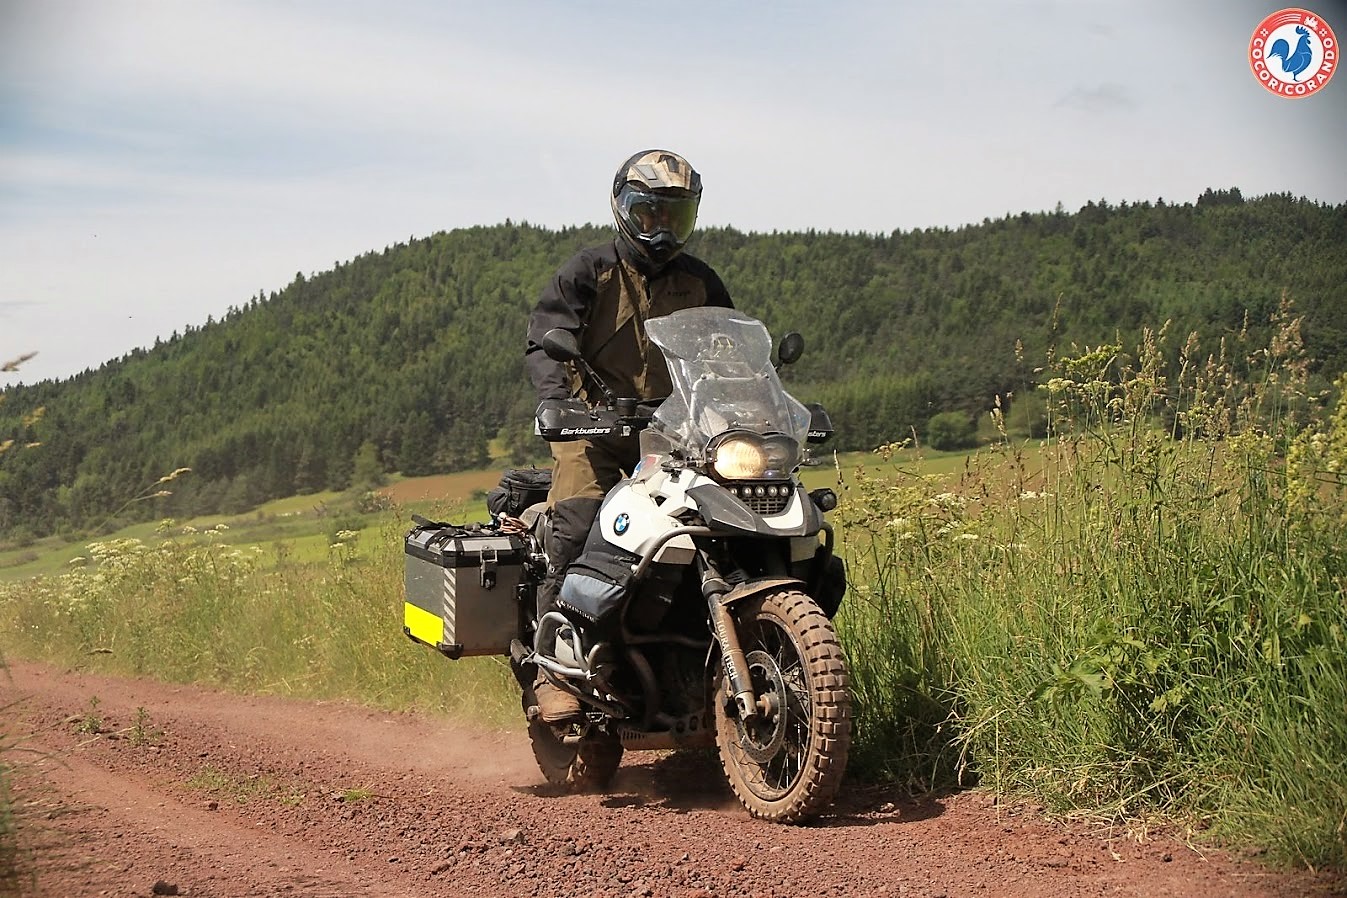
621,523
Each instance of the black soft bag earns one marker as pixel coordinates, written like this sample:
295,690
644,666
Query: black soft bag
518,489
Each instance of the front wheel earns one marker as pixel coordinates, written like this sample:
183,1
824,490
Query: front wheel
786,763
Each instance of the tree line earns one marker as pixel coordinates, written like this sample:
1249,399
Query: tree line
412,355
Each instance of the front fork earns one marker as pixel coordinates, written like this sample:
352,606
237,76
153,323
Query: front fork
714,589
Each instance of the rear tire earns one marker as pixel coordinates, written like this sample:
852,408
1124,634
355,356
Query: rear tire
589,765
786,764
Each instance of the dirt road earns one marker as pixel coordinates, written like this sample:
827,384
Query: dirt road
204,793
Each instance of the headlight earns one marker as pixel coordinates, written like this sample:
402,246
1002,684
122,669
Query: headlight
740,455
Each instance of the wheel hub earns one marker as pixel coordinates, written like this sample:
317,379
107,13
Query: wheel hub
762,736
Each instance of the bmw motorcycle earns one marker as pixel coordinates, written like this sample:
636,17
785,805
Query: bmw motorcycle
699,613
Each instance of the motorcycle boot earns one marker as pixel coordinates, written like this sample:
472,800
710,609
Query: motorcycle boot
555,705
570,521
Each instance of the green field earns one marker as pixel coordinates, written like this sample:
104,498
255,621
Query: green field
301,527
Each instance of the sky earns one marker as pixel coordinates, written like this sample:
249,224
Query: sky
164,160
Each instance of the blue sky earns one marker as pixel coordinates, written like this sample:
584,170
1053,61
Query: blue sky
161,161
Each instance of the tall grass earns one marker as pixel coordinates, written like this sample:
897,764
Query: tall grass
190,608
1144,618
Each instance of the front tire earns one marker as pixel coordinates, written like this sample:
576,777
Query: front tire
586,766
786,764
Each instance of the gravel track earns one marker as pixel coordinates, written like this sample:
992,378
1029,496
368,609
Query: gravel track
215,794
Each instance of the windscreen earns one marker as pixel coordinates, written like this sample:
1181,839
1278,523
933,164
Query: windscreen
720,361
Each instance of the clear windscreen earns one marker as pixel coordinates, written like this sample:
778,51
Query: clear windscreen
720,362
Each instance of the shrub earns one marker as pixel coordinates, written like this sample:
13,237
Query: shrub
949,431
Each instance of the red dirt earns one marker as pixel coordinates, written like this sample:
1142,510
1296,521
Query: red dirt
216,794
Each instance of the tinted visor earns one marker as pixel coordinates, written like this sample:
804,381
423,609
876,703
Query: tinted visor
650,213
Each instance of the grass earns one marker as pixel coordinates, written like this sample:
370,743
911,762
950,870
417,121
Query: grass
91,722
226,786
298,529
1140,621
1139,618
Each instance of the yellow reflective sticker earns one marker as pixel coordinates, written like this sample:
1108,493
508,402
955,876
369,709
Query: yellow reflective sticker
424,626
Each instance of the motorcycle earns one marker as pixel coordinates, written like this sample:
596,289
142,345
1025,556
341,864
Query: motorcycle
700,612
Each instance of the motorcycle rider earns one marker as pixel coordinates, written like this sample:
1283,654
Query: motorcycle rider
604,295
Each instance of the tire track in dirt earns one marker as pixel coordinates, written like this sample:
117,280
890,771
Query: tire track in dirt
222,795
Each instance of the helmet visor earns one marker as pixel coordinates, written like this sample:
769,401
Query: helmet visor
650,213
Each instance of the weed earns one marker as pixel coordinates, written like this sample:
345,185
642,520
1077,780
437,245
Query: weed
142,733
225,785
91,722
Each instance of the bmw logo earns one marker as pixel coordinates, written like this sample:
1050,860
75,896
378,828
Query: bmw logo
621,523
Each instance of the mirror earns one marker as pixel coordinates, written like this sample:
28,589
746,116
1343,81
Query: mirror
791,348
560,344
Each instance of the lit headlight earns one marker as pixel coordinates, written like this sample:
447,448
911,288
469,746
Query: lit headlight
739,455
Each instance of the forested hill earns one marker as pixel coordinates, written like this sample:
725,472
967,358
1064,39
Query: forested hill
415,351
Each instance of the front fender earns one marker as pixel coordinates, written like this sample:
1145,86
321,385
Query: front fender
751,588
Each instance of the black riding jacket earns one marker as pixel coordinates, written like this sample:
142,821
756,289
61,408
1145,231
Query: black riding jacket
604,295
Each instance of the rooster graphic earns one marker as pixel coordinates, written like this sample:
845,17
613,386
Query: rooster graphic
1293,63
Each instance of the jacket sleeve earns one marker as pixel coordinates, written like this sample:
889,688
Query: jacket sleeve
716,294
564,303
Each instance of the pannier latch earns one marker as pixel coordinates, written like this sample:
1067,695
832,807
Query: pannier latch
488,573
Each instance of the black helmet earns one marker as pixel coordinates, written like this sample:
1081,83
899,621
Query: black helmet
655,197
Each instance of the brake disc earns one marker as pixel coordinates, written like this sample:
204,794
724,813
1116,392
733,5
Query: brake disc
762,736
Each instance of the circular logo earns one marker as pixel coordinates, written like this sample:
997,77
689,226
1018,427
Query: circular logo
1293,53
621,523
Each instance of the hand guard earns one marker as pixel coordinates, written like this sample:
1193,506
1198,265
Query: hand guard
560,420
